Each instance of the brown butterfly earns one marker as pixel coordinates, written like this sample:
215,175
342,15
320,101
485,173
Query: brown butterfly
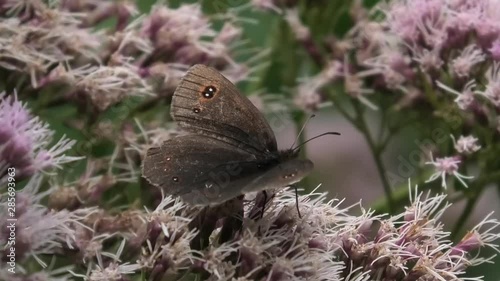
231,150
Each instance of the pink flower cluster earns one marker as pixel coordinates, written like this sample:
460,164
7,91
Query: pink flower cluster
26,141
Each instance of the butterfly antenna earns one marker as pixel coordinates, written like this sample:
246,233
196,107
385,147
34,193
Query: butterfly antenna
302,130
313,138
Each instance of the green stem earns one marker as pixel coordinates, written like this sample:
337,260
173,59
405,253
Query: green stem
384,142
467,211
144,106
382,129
359,122
428,90
339,108
377,153
477,189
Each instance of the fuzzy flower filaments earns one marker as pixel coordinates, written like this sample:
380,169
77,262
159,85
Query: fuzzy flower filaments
427,66
39,230
325,244
441,40
421,66
26,141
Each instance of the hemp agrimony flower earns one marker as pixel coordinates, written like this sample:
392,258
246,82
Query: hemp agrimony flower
466,144
407,75
26,141
39,230
447,166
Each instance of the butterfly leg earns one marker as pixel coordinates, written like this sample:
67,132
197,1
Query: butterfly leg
263,209
205,221
233,221
296,199
257,211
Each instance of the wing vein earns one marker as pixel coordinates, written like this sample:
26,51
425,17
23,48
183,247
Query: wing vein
222,136
186,108
194,82
182,96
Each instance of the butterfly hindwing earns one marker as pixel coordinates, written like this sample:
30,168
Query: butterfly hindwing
200,169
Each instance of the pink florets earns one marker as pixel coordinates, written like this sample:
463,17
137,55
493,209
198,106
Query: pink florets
447,166
407,19
25,140
466,144
494,50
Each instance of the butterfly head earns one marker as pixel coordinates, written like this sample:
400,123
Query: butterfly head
288,154
293,170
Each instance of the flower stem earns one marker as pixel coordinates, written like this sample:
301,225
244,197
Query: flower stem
376,152
479,186
467,211
359,122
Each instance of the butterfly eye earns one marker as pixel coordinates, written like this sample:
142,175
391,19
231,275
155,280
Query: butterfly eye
175,179
209,92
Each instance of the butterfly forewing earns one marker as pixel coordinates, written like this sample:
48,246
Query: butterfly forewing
206,103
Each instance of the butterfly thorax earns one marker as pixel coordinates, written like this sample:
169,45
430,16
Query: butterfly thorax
288,154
